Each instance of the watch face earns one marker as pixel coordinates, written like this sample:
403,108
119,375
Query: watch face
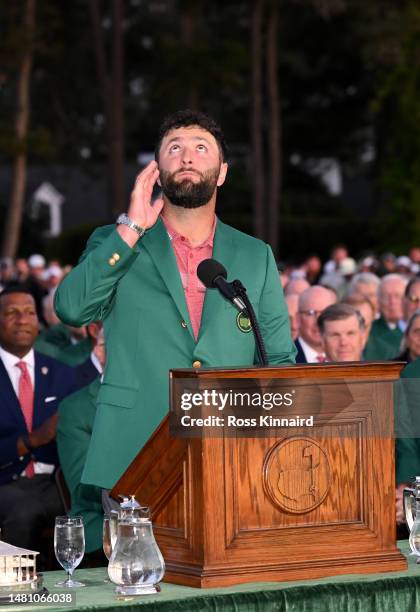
124,219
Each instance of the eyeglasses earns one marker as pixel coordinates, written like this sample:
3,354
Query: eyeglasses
310,312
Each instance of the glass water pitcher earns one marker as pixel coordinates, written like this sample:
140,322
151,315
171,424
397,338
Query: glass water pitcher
136,564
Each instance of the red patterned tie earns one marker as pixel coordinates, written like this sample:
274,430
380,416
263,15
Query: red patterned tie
26,401
321,358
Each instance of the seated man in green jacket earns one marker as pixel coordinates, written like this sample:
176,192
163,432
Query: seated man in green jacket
408,444
70,345
387,331
74,432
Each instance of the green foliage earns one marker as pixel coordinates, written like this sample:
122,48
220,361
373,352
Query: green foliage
348,75
31,239
68,247
397,105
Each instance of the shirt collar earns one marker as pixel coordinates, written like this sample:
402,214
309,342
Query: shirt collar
96,362
175,236
310,353
11,360
401,325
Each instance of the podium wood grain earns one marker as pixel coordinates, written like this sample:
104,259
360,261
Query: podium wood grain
296,506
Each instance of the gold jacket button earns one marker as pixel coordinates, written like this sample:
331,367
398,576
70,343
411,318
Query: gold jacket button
116,257
196,364
111,261
183,323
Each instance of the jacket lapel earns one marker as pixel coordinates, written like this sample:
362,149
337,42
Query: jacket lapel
224,252
41,387
157,243
93,389
8,396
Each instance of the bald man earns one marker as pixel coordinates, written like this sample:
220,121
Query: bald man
296,286
292,303
309,344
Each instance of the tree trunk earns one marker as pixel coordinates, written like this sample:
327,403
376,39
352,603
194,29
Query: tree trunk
112,88
14,214
117,110
188,27
257,155
274,132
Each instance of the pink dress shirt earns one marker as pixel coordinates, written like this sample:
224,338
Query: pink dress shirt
188,258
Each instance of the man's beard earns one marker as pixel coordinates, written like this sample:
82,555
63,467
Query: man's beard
186,193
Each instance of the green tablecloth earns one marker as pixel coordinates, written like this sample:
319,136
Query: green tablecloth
390,591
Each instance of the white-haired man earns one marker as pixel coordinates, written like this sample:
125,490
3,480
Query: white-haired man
387,331
367,285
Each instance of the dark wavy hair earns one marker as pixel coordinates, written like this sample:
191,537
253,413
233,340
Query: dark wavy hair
339,312
186,118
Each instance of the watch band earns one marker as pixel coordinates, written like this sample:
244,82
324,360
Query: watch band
124,219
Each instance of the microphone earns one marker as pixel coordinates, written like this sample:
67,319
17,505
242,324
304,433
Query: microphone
213,275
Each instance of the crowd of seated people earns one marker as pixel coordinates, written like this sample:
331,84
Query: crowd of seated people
384,290
50,372
42,361
32,386
368,311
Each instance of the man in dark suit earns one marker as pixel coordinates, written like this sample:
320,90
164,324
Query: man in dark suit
31,387
91,368
343,333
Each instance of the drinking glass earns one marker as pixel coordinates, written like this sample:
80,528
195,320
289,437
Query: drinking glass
69,546
106,538
113,527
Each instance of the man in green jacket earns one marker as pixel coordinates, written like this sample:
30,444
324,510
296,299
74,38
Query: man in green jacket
139,277
76,415
387,331
70,345
408,453
407,458
74,432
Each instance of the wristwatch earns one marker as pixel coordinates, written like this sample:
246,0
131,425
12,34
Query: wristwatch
124,219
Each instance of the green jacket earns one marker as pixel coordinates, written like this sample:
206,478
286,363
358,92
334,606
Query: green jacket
74,432
383,343
139,296
56,342
408,448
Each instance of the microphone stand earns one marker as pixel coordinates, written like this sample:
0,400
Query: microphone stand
241,292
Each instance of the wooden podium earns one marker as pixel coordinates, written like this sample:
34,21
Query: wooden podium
234,509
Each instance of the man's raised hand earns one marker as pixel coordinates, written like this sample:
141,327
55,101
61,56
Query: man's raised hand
141,210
